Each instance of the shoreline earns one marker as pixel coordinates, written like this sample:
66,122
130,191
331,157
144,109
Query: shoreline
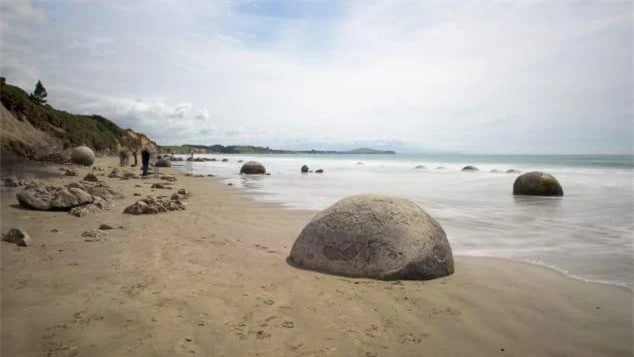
213,280
280,205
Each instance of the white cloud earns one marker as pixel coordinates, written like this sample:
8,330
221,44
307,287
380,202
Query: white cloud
492,77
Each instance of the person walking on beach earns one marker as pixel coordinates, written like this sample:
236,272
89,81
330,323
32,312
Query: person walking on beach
145,161
123,157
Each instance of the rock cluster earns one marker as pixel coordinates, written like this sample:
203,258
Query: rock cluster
78,198
159,204
13,181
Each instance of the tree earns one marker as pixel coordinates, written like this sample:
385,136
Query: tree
39,93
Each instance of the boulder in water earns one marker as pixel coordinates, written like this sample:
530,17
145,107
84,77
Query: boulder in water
82,155
163,163
537,184
253,168
374,236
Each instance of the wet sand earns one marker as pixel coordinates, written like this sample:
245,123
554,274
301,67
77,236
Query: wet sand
213,281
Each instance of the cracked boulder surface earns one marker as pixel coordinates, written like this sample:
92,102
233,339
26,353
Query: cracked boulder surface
374,236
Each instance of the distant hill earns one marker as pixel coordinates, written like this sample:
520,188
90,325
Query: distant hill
33,130
247,149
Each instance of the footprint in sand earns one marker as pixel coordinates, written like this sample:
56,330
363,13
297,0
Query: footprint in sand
410,338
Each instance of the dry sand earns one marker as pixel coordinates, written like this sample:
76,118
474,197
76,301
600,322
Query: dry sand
213,281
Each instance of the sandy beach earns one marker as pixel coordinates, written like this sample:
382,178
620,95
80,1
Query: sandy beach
213,281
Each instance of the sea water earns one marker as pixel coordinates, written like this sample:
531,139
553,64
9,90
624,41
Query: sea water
587,234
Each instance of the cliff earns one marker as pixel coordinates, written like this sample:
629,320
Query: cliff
38,130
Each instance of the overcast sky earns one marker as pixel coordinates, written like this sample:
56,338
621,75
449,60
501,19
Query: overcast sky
479,77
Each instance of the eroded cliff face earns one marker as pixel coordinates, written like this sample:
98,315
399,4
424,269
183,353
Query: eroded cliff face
132,140
39,131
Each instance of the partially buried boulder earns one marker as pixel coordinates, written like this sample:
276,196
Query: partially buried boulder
90,177
374,236
469,168
82,155
253,168
163,163
537,184
304,169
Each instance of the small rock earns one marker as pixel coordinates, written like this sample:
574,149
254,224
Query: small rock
320,171
168,178
211,175
18,236
105,227
137,194
71,172
93,233
188,339
229,184
11,181
158,185
269,302
91,178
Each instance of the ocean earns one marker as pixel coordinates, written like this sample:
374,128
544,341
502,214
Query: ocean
587,234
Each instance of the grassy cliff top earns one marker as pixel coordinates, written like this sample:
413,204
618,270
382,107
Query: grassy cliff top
68,129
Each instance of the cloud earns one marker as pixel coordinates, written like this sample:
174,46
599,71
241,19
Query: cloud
495,77
203,115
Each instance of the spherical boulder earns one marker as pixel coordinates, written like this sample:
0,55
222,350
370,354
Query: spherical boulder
304,169
82,155
374,236
537,184
252,168
163,163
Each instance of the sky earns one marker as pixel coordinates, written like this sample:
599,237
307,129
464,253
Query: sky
500,77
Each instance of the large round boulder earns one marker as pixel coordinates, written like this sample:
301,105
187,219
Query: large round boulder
252,168
537,184
82,155
163,163
374,236
304,169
